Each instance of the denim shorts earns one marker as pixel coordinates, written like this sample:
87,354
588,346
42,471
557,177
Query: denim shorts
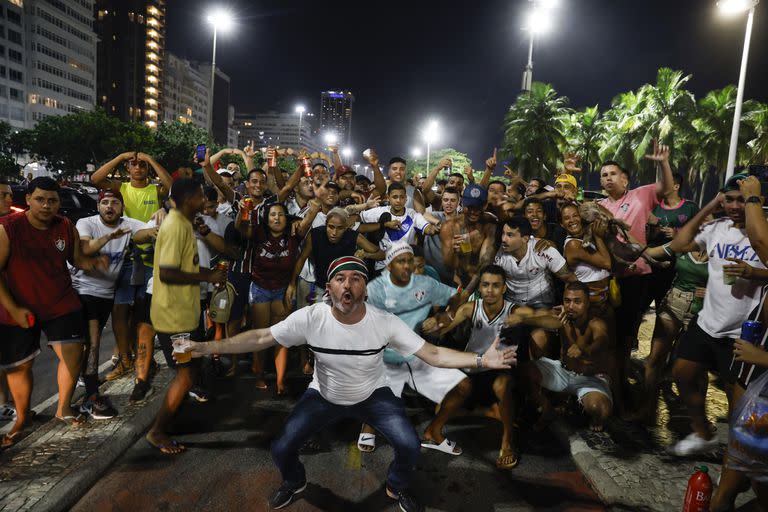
259,295
126,293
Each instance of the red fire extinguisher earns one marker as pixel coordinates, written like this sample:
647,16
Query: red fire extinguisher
699,491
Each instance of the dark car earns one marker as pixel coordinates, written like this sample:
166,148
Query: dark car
74,204
593,195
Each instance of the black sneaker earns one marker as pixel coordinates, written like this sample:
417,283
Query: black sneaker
198,394
98,408
284,495
406,502
141,390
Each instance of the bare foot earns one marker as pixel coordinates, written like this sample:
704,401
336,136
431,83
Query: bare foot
163,443
596,426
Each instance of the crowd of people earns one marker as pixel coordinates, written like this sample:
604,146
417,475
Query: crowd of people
504,294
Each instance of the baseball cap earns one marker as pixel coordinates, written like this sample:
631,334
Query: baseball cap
474,196
333,185
733,182
345,169
111,193
362,178
225,172
566,178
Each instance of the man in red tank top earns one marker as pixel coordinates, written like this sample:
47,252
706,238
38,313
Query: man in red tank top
36,294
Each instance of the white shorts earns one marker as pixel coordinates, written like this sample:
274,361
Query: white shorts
556,378
427,380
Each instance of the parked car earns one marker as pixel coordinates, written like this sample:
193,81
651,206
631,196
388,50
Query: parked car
74,204
85,188
593,195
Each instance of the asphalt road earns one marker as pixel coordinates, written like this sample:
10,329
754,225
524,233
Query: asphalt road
228,467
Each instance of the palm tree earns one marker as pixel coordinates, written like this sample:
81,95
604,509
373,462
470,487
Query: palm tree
585,134
533,130
622,120
757,119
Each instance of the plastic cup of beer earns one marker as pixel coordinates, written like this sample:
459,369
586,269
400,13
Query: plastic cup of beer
729,279
466,244
180,342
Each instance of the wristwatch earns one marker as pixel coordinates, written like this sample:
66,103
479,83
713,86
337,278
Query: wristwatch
479,360
754,199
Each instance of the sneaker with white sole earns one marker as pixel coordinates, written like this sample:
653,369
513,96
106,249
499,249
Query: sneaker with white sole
80,382
198,394
7,412
98,407
283,496
693,444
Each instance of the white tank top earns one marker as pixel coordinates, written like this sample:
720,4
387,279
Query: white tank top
585,272
485,330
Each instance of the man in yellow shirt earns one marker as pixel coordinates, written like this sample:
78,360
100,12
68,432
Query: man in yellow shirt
141,199
175,305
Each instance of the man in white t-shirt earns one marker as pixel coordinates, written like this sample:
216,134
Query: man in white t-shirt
399,222
106,234
348,338
529,264
736,278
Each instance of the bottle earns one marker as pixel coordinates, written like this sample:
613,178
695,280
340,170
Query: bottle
752,331
699,491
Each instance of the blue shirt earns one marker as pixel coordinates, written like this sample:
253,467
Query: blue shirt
411,303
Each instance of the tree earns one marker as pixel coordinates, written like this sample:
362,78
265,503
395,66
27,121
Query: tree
533,131
69,143
22,142
175,143
757,119
585,134
8,166
419,165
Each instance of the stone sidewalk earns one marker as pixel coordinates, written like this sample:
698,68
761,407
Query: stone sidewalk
55,464
629,466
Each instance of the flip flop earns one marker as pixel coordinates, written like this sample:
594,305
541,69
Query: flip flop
161,447
507,453
366,442
9,440
447,446
73,421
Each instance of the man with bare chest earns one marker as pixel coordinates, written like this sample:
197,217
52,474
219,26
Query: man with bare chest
585,359
468,239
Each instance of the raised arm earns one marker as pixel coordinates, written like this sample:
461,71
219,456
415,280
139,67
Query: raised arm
660,155
165,179
756,224
100,179
378,178
684,240
293,180
490,166
429,182
218,182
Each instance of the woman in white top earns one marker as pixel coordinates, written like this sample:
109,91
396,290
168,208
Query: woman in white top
591,268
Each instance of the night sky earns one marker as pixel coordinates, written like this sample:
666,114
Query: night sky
459,62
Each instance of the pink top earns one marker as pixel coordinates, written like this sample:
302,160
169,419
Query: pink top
634,207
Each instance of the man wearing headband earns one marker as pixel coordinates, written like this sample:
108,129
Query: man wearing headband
411,297
348,338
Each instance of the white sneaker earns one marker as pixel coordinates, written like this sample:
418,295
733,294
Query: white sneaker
7,412
693,445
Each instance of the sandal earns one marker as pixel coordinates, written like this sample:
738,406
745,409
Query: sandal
504,462
9,440
366,442
164,448
73,421
447,446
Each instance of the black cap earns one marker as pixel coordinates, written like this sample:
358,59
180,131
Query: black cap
362,178
333,184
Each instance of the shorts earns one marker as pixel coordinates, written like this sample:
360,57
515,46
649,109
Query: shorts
242,283
126,293
716,354
96,308
141,312
167,347
259,295
428,381
20,345
482,386
558,379
677,306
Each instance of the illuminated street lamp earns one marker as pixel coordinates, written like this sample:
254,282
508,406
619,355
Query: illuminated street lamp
430,136
220,19
416,152
300,110
539,21
330,138
732,7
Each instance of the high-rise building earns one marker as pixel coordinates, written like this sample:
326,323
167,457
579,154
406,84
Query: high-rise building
47,59
186,91
336,114
276,129
131,56
221,103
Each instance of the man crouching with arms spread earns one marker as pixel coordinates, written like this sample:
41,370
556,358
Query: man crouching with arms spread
348,337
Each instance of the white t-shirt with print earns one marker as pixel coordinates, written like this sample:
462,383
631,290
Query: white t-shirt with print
529,280
726,307
95,282
410,221
347,379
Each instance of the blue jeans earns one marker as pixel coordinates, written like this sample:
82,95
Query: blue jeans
382,410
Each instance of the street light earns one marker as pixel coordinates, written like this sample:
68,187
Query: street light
300,110
416,152
219,19
539,21
330,138
430,136
736,7
347,152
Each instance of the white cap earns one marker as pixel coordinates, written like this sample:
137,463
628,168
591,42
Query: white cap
396,250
